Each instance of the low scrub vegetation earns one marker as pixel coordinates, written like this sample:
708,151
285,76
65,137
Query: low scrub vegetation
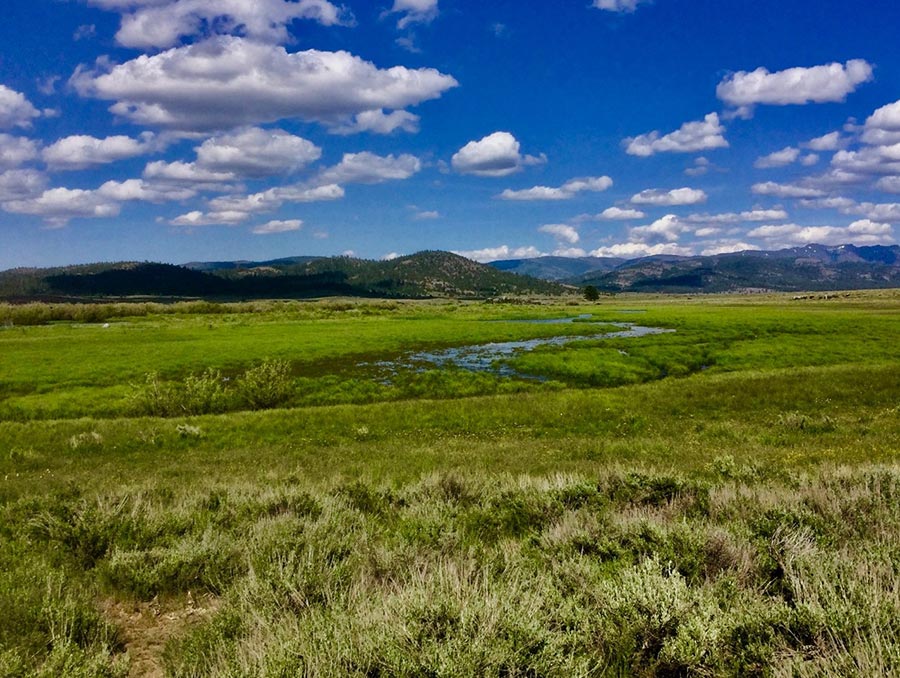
631,571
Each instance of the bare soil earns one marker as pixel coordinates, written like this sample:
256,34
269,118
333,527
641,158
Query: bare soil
147,626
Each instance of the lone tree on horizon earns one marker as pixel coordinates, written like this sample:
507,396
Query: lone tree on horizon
591,293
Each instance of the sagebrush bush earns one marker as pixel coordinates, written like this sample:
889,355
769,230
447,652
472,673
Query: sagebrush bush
209,562
462,575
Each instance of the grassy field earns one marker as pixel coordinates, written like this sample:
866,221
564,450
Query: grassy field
249,490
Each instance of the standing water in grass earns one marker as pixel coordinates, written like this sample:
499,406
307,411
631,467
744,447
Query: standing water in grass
491,356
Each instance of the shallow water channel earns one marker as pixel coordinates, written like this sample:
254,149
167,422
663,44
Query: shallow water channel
490,357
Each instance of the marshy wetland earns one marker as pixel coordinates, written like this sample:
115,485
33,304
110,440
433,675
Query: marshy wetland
363,488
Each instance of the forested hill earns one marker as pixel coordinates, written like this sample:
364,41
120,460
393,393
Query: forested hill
421,275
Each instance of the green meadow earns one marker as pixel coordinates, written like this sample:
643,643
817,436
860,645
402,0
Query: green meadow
294,489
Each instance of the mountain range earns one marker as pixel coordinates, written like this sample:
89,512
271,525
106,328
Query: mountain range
443,274
811,267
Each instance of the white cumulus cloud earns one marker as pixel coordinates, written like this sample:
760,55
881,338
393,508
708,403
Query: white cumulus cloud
727,247
594,184
701,135
618,5
270,200
226,82
827,142
15,109
883,126
816,84
276,226
785,156
571,252
138,189
16,151
888,184
162,23
415,11
668,228
738,217
502,252
632,250
369,168
234,209
199,218
563,232
565,192
378,122
496,155
536,193
809,159
80,151
869,160
707,231
58,205
835,202
188,173
885,211
786,190
21,184
255,152
861,232
677,196
618,213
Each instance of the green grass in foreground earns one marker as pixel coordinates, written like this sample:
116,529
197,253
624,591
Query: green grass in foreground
739,519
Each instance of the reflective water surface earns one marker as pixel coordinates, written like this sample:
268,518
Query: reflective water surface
490,357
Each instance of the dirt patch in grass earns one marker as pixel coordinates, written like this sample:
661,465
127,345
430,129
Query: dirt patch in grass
147,626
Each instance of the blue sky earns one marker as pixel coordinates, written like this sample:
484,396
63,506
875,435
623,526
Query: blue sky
178,130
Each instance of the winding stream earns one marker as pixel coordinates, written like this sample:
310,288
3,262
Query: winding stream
487,357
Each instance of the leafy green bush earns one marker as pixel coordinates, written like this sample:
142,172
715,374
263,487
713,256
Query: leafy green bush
266,385
204,393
